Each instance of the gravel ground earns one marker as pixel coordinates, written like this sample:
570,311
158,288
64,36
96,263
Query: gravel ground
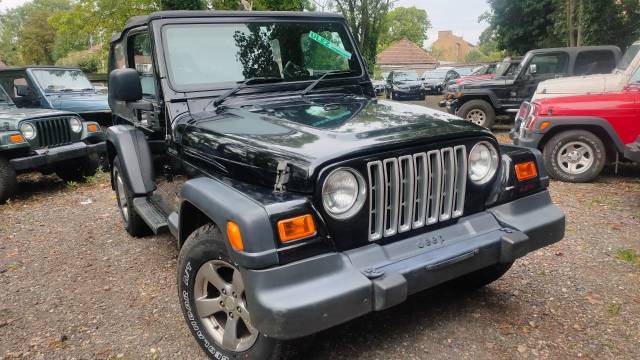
76,286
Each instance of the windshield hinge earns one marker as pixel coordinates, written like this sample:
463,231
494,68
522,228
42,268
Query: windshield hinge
282,177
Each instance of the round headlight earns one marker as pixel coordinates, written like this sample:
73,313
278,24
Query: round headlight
483,162
28,131
76,124
343,193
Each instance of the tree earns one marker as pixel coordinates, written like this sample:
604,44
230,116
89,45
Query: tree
402,22
520,26
182,5
365,18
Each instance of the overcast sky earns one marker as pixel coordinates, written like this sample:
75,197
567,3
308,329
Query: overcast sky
461,16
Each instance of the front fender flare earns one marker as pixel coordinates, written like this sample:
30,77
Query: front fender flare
577,121
222,203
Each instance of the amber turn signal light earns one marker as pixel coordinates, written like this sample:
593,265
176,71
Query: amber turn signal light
17,138
92,128
544,125
296,228
526,171
235,238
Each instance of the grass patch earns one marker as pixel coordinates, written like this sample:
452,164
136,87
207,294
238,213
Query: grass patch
614,309
628,256
72,185
91,179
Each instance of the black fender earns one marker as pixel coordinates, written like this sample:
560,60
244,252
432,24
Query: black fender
221,203
131,147
588,123
469,95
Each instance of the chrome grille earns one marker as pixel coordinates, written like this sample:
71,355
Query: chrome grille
52,132
413,191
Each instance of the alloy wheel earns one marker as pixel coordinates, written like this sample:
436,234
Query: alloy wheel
575,157
122,195
221,306
477,117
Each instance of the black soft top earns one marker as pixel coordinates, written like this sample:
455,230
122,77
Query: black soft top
22,68
137,21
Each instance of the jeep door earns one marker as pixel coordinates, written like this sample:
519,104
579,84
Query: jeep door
135,52
541,67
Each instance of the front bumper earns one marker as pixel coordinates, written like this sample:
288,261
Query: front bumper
57,154
524,137
407,92
451,105
632,151
311,295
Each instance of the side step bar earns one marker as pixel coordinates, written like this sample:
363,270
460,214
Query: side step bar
152,213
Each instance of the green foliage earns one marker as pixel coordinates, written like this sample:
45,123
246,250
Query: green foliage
404,22
87,60
182,5
365,18
25,34
520,26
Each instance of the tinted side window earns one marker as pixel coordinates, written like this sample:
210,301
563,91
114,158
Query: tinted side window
595,62
551,63
140,57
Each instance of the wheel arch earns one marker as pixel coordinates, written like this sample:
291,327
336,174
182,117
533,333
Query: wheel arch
134,154
599,127
487,96
209,200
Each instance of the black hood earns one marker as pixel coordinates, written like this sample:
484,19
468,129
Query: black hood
248,143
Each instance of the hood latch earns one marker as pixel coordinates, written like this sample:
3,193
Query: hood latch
282,177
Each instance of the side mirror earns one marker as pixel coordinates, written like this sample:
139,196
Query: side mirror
124,85
533,69
22,90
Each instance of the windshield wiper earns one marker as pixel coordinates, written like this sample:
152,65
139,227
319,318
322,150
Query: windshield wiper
220,99
313,84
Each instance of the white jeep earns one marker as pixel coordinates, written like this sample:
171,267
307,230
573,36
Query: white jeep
593,84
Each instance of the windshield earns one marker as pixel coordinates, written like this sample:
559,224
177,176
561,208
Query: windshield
288,51
4,98
503,68
628,57
59,80
435,75
405,76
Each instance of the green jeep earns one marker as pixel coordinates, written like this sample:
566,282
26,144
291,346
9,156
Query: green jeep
47,141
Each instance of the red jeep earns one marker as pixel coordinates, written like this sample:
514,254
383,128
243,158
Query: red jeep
579,134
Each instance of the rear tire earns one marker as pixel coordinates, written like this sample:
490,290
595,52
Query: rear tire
482,277
204,263
478,112
133,223
574,156
78,169
7,180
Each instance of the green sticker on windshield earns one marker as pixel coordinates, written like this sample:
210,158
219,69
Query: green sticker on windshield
329,45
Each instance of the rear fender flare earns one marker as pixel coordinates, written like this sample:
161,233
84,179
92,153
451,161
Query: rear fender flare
131,147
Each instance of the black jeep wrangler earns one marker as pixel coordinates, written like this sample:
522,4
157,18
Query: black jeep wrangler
298,199
481,101
47,141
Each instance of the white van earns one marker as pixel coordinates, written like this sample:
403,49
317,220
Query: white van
593,84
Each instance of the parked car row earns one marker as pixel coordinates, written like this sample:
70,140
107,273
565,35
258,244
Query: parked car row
52,121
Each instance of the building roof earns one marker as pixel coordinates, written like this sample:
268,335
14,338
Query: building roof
404,52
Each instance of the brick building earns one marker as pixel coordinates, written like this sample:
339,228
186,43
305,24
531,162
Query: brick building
405,55
451,48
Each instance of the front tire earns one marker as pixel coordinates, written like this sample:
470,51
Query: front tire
7,180
133,223
211,292
574,156
478,112
78,169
